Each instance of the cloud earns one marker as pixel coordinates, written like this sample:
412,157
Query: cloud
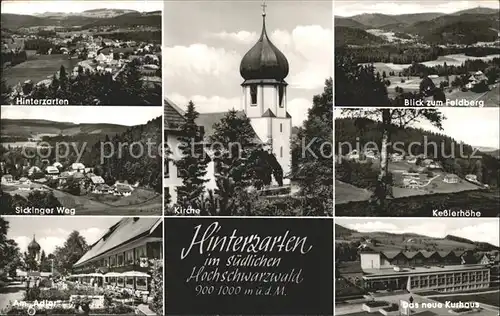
207,104
350,8
53,238
307,48
376,226
484,232
242,37
188,62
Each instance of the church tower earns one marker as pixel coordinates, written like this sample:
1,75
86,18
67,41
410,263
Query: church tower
264,69
34,249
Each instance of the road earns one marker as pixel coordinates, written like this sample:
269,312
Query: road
10,293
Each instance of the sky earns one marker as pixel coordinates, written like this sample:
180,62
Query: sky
33,7
206,40
52,231
123,115
476,229
349,8
477,127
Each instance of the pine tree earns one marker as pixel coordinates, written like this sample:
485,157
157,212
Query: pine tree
193,164
5,92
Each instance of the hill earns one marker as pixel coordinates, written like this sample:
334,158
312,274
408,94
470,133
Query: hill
101,17
459,29
348,22
106,13
399,241
37,128
478,10
377,20
480,245
129,20
15,21
355,36
343,231
493,153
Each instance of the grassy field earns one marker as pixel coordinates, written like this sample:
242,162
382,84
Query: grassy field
38,68
491,98
345,193
482,298
86,206
484,201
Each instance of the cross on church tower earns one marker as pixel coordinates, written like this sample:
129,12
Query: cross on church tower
263,5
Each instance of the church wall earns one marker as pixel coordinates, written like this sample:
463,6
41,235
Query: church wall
252,110
281,133
172,181
270,97
281,111
261,127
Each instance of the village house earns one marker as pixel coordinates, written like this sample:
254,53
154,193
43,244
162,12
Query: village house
97,180
63,177
451,178
7,179
471,177
475,79
25,187
122,189
411,159
103,189
78,167
33,170
353,155
371,154
489,258
52,172
396,157
25,180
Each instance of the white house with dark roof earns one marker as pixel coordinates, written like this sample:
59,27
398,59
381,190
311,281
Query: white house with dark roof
78,166
264,101
121,257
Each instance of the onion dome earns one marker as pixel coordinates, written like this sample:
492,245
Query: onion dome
33,245
264,60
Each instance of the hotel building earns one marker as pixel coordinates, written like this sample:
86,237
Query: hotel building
121,257
442,271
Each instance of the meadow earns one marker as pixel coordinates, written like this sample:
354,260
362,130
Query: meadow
38,68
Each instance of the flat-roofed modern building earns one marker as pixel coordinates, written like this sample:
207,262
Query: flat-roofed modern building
120,258
422,270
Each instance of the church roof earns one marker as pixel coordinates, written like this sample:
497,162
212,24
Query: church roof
126,230
173,115
268,113
33,245
264,60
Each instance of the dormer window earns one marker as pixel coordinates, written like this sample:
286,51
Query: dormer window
253,95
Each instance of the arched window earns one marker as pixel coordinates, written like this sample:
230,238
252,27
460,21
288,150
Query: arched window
281,95
253,94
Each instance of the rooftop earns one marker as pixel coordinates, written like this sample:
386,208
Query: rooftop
421,270
125,230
